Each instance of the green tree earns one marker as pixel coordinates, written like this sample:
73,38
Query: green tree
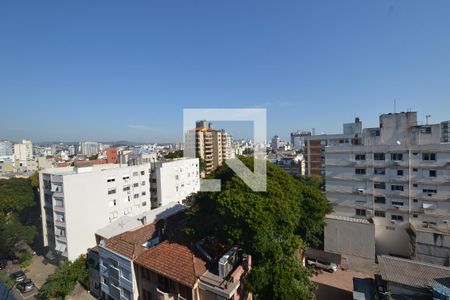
271,226
62,282
17,198
174,154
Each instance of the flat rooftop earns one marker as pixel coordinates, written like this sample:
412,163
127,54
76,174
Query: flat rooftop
84,169
127,223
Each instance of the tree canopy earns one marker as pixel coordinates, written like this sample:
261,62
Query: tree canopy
62,282
271,226
17,197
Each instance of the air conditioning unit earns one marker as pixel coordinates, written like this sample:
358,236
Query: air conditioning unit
227,262
361,191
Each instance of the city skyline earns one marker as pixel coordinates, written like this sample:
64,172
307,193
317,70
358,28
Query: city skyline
108,71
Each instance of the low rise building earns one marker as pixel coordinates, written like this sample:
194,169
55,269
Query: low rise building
407,279
159,261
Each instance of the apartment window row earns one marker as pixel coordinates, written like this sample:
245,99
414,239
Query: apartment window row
361,212
395,156
382,186
396,217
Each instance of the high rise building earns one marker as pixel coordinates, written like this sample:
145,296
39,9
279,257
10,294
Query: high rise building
6,148
275,143
211,145
89,148
23,151
76,201
391,193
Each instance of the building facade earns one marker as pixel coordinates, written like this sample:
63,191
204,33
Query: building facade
298,139
76,201
398,178
174,181
159,261
23,151
6,148
211,145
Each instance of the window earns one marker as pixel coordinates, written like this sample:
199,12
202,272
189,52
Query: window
136,184
396,187
126,188
433,173
390,228
397,202
126,177
375,132
135,174
176,177
379,171
415,200
379,185
142,172
430,191
396,156
360,171
428,156
111,191
136,196
112,179
360,212
126,293
414,215
378,156
426,130
143,193
415,185
143,183
396,217
415,170
144,203
125,274
399,172
380,200
379,213
360,157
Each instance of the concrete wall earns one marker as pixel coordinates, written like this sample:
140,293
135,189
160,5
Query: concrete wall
352,238
432,247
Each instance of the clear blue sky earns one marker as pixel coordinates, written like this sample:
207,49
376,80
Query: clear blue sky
110,70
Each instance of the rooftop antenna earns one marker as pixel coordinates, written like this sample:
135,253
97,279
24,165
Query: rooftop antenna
427,117
395,106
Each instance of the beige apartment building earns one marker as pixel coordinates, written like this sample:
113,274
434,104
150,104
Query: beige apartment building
211,145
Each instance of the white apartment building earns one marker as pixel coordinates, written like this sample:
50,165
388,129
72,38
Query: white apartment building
6,148
398,180
76,201
23,151
89,148
174,180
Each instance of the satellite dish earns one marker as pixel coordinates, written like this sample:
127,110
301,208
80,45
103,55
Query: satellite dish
399,143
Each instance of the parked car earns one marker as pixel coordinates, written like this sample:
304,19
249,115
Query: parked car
18,276
25,286
3,264
331,267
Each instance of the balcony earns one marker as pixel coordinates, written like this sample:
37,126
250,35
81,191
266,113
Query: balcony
62,238
60,223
